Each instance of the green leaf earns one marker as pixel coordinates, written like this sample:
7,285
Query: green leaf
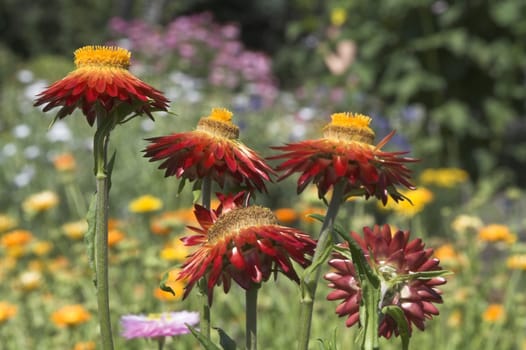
224,340
181,185
164,286
109,168
89,236
403,327
207,343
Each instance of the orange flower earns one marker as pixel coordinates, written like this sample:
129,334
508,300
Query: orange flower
346,153
494,313
516,262
286,215
214,151
16,238
114,237
85,345
101,80
70,315
7,311
496,233
64,162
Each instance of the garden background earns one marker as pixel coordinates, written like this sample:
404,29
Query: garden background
449,76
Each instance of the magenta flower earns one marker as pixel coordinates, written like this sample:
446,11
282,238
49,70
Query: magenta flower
165,324
394,258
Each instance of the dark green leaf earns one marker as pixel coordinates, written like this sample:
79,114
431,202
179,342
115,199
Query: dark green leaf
403,328
207,343
225,341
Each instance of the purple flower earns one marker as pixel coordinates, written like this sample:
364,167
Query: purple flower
158,325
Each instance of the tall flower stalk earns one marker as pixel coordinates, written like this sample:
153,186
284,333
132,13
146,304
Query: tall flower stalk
346,161
107,94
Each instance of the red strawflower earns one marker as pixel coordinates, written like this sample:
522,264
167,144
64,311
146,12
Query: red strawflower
102,80
212,150
244,244
394,258
347,152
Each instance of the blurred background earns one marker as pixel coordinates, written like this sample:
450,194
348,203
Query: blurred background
449,76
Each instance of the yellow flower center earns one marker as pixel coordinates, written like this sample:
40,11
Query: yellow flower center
349,127
232,222
219,123
107,56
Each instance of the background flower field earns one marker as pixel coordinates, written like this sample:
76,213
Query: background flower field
413,68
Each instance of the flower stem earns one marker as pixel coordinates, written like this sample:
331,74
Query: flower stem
100,146
310,281
204,323
101,261
251,298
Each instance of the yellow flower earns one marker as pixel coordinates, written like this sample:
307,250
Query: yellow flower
6,222
455,319
494,313
419,199
7,311
76,229
145,204
40,202
496,233
443,177
172,282
175,251
516,262
42,248
70,315
338,16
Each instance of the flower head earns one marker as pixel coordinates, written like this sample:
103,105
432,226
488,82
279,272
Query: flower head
417,200
40,202
145,204
212,150
70,315
242,243
64,162
496,233
101,80
444,177
494,313
394,258
516,262
346,152
7,311
166,324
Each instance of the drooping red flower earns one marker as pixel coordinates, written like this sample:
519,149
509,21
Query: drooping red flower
245,244
212,150
347,152
101,80
394,258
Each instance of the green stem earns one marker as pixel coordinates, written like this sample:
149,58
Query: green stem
251,301
101,261
160,343
309,282
204,323
100,148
